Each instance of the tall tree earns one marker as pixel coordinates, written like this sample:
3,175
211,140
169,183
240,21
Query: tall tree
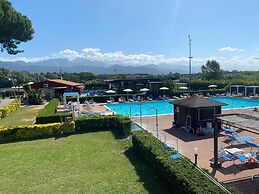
14,28
211,70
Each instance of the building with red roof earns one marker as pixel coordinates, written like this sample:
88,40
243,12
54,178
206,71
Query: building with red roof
56,87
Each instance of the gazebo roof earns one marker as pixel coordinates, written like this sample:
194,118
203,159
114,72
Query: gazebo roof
197,102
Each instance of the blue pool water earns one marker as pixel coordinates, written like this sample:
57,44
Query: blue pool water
164,107
236,102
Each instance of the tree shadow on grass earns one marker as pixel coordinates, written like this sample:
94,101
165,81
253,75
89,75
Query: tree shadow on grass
147,175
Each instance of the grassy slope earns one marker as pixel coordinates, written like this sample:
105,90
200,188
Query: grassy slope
86,163
24,115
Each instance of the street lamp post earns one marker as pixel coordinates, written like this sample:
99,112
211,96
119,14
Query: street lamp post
196,152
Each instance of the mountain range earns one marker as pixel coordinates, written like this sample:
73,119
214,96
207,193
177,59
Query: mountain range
96,67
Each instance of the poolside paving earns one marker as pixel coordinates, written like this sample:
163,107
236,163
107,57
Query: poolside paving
186,143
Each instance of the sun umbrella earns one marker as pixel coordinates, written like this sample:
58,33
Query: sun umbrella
128,90
183,88
110,92
164,88
144,90
212,86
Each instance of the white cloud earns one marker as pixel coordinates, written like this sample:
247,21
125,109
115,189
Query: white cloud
69,54
118,57
230,49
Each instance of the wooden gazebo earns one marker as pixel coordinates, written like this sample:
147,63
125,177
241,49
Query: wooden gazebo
195,111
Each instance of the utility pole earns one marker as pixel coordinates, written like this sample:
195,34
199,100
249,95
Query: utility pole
190,55
60,72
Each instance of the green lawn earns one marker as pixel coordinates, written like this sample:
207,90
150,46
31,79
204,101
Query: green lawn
86,163
24,115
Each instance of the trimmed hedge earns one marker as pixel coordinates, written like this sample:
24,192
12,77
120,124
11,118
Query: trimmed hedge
36,131
118,123
101,99
179,176
55,118
49,115
13,106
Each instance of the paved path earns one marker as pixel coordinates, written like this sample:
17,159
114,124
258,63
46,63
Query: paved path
186,143
5,102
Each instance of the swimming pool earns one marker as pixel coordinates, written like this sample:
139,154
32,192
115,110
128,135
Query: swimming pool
165,108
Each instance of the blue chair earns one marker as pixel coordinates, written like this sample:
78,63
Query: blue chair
166,146
241,157
230,131
224,157
239,139
176,156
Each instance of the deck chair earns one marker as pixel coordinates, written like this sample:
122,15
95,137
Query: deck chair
230,131
242,157
239,139
176,156
224,157
166,146
252,145
221,155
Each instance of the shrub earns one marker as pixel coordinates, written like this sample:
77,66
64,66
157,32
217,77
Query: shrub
36,131
179,175
49,115
35,97
96,123
13,106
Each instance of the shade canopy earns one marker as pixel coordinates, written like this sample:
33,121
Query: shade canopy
110,92
212,86
144,90
128,90
164,88
183,88
70,94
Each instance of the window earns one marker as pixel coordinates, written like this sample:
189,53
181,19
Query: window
206,114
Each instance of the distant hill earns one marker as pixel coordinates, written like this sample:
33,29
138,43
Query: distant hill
96,67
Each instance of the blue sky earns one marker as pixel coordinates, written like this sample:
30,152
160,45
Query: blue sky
150,30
